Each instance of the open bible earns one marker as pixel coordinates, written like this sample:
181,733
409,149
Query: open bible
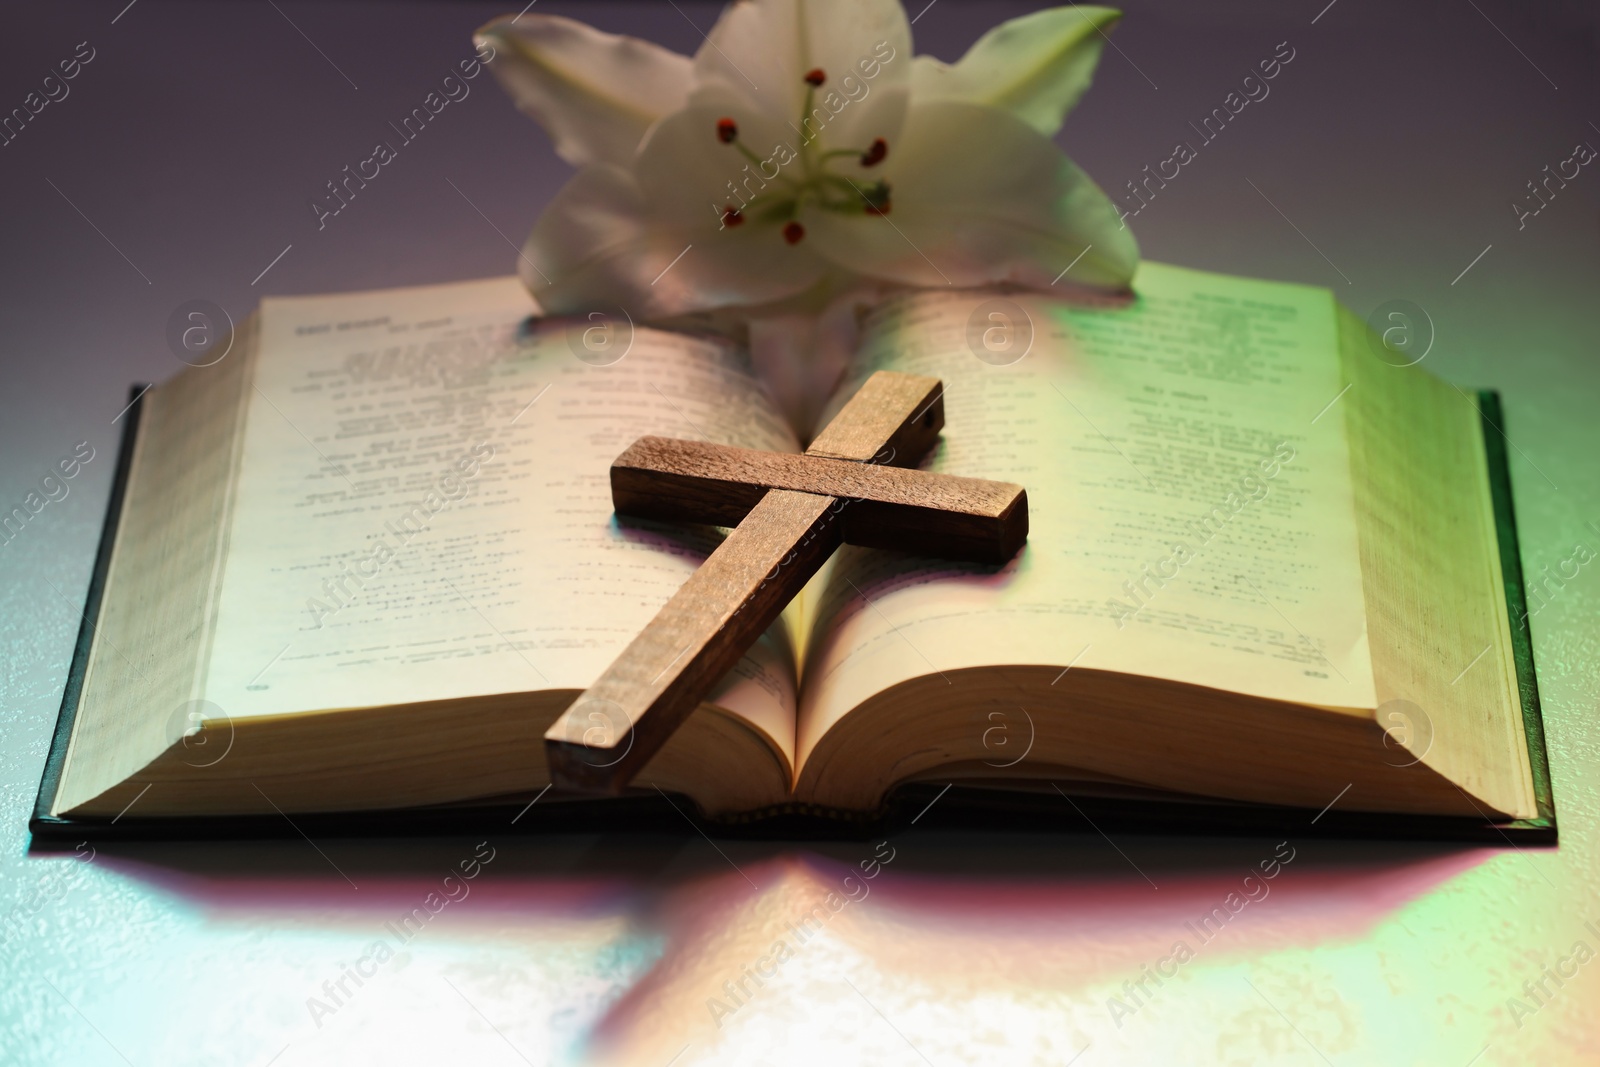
361,562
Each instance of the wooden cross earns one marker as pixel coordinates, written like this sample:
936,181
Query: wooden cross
788,514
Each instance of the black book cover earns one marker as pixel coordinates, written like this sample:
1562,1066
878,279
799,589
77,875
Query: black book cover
956,806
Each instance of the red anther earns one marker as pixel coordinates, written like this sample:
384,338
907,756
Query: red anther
876,153
727,131
792,232
731,216
815,77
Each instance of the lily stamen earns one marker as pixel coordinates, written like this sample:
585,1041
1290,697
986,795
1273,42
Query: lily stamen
830,192
744,150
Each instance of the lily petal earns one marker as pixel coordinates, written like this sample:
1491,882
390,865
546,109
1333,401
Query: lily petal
684,166
980,197
762,50
1035,67
599,245
595,93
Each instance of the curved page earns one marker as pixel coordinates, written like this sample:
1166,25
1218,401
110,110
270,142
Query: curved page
1189,495
424,512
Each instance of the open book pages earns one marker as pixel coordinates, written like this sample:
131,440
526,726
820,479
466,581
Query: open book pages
373,554
1181,496
1213,504
417,514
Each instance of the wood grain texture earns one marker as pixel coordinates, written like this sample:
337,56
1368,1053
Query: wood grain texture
614,728
882,507
914,405
781,537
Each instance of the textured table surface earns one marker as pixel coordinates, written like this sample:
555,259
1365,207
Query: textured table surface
179,168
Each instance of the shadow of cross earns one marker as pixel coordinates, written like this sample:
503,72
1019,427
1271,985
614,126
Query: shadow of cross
788,514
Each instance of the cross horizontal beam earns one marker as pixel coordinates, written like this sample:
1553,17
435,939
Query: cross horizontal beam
879,507
788,514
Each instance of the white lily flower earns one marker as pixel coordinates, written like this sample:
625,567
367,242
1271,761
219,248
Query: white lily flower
803,150
802,164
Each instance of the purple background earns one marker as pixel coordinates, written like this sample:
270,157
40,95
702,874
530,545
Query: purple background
1396,141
